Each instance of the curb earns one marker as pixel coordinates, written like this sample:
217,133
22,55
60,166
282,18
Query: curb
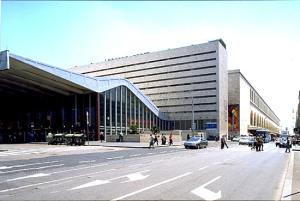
288,181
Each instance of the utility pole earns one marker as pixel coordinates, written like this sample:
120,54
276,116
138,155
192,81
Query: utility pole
87,127
193,116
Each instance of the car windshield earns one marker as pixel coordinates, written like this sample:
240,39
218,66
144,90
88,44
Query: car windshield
194,139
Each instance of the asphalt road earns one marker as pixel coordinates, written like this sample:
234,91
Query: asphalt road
164,173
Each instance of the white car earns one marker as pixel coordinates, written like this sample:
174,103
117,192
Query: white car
236,139
244,140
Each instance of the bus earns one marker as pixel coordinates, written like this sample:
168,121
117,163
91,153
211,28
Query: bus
265,135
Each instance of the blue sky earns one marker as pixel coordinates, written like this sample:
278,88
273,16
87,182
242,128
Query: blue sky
262,37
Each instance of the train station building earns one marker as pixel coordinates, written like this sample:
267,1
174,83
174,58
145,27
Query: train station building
182,89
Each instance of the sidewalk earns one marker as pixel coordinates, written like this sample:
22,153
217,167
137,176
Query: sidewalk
143,144
128,144
291,190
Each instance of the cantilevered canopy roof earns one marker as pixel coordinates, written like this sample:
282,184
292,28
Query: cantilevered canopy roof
22,76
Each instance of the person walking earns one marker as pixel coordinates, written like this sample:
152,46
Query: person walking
223,142
288,145
155,140
151,142
101,137
188,137
170,140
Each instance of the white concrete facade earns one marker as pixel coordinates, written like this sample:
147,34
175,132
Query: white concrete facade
176,80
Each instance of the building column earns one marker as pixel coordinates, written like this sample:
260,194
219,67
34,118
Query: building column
97,113
121,111
116,108
110,112
126,109
105,115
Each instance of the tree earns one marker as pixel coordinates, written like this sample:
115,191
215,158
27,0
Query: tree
155,130
133,129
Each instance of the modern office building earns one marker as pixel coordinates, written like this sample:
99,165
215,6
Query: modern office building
186,84
247,110
36,99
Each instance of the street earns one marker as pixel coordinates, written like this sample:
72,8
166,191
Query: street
167,173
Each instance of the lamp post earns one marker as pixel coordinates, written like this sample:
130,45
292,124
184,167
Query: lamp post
87,127
109,128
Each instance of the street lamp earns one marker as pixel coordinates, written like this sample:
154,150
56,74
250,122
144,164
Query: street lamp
87,127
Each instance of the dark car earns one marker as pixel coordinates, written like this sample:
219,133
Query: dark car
196,142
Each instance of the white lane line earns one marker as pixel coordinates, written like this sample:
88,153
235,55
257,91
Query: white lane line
43,167
202,168
135,155
163,152
150,153
112,158
9,167
217,163
52,181
69,170
152,186
92,161
29,176
287,188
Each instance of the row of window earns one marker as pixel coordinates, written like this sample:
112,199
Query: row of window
256,100
188,97
153,61
179,91
173,85
176,78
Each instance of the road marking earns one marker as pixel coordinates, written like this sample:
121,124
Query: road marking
150,153
163,152
135,155
52,181
9,167
43,167
132,177
152,186
30,176
136,177
205,193
112,158
90,184
287,188
202,168
217,163
87,161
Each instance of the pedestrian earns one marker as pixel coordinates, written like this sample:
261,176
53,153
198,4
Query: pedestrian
155,140
188,137
170,140
223,142
262,143
151,142
257,144
101,137
163,139
288,145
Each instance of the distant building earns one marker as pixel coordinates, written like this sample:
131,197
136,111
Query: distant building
247,110
297,125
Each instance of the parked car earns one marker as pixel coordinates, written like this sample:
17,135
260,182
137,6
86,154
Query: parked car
236,139
196,142
277,142
244,140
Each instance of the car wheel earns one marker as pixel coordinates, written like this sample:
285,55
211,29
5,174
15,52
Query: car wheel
186,147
